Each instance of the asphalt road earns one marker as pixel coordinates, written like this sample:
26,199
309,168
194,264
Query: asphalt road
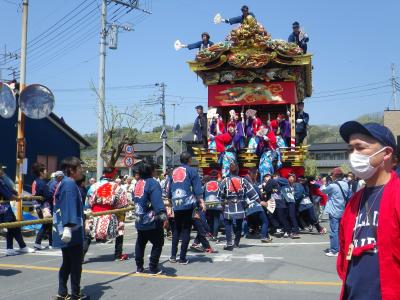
285,269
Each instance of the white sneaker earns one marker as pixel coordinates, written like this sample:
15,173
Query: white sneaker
26,250
286,235
39,247
11,252
331,254
51,247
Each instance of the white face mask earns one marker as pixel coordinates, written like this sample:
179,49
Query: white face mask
361,166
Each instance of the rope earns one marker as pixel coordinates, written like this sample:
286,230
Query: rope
50,220
24,198
89,215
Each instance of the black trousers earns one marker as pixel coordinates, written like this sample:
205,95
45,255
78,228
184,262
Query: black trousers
300,136
237,230
119,243
183,225
44,230
71,267
12,233
154,236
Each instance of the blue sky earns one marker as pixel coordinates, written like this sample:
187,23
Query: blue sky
353,42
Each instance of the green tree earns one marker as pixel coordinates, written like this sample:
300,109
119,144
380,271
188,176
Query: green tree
310,167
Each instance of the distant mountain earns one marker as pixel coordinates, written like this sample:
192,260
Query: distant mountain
316,134
330,133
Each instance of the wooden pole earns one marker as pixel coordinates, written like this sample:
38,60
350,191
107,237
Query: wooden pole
21,116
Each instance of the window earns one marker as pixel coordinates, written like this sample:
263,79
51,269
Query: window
49,161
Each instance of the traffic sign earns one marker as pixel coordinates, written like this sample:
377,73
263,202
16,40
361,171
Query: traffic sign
129,149
128,161
163,134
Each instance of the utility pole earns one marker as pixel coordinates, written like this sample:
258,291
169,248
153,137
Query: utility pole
394,87
164,130
173,137
102,89
21,116
131,4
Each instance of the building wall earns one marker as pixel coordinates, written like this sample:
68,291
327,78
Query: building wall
391,119
43,139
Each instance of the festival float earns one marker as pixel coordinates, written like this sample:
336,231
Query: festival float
250,71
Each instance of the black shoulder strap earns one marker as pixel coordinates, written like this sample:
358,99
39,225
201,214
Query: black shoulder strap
340,187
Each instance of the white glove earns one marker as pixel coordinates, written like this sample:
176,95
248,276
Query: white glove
195,138
67,235
298,121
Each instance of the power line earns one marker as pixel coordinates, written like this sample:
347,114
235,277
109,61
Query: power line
55,27
127,87
347,99
352,92
350,88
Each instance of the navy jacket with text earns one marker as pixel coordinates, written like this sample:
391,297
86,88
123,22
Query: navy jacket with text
147,197
68,212
184,188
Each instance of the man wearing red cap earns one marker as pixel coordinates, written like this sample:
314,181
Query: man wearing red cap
369,255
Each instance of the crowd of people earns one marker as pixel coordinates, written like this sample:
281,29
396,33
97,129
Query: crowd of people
248,132
224,209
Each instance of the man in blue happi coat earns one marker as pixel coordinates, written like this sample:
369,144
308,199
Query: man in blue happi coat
68,229
240,19
203,44
185,193
45,207
151,214
7,194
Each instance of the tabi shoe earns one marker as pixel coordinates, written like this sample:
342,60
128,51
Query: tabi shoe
228,247
139,270
172,259
26,250
155,272
294,236
39,247
286,235
197,247
183,261
11,252
58,297
278,233
80,297
266,240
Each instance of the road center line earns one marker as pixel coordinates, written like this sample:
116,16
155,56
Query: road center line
189,278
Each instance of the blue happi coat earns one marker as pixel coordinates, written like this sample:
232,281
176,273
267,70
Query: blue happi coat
211,189
6,193
239,19
147,197
233,191
184,188
68,212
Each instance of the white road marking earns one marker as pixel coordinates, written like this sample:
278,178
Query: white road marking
222,257
230,257
221,244
39,253
255,258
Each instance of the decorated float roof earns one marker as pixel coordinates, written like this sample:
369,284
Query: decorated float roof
249,54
